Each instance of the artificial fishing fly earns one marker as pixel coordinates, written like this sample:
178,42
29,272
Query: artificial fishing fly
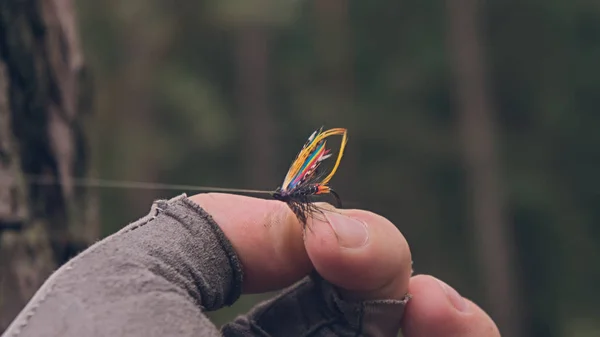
306,178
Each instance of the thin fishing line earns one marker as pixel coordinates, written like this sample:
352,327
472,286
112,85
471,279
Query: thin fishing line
126,184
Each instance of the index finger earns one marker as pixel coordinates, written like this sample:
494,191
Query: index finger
266,236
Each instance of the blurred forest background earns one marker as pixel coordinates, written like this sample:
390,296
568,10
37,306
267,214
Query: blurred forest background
473,126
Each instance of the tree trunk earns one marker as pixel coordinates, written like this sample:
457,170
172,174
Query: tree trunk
336,80
143,51
252,55
334,50
43,98
492,232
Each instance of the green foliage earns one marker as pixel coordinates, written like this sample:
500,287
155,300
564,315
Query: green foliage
404,151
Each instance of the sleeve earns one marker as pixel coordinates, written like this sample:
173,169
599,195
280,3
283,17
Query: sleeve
155,277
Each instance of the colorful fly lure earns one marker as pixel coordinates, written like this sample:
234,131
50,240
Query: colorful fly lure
306,178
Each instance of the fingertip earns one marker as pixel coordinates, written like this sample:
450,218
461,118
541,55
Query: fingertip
376,267
436,309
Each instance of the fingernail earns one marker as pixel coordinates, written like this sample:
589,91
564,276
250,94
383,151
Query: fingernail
350,232
457,301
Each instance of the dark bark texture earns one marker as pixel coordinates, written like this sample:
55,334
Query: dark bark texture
44,97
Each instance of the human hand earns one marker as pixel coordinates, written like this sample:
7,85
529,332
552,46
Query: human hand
361,253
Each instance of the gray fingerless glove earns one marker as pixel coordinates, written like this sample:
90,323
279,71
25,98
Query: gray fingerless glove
313,307
159,274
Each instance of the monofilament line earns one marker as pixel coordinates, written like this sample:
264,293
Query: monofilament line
125,184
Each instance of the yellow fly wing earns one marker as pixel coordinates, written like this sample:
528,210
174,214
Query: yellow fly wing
310,147
344,133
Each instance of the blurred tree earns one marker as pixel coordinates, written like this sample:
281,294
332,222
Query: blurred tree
43,99
256,119
493,235
143,46
334,83
253,23
542,59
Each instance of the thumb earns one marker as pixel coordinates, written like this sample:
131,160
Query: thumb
436,309
360,252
